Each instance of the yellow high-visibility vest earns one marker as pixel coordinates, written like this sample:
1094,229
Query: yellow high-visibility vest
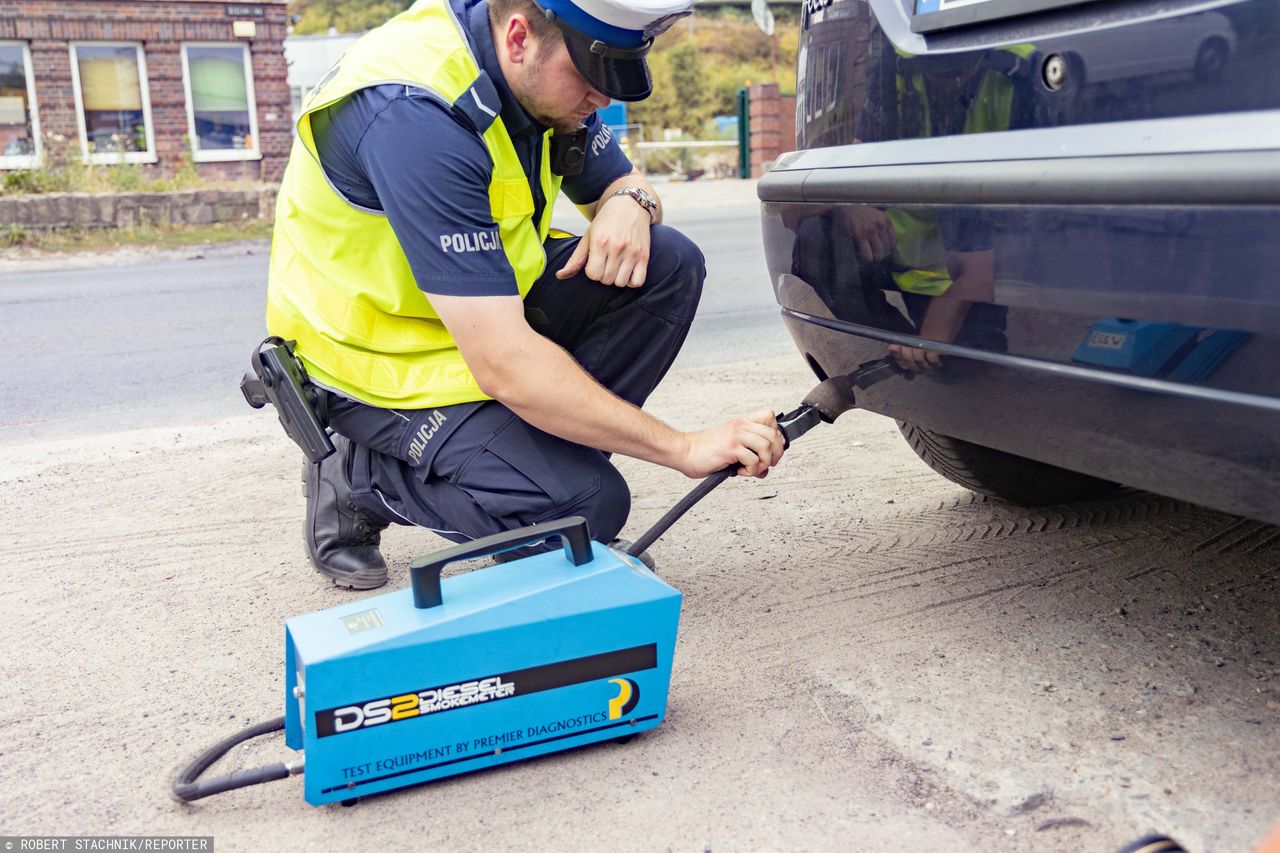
919,238
339,282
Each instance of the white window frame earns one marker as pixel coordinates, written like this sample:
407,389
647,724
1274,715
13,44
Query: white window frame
113,157
221,155
304,92
26,161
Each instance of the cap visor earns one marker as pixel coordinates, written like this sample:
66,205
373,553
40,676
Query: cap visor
620,79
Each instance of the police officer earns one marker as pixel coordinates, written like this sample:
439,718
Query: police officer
477,367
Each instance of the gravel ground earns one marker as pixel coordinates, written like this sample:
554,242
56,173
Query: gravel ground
869,658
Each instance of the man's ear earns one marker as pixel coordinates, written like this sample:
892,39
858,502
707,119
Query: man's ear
518,38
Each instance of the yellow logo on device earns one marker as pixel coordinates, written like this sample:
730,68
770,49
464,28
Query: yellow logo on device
625,701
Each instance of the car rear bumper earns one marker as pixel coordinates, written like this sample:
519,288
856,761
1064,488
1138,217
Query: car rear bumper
1130,328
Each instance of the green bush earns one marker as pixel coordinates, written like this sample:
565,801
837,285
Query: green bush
186,175
26,181
63,170
125,178
22,181
15,235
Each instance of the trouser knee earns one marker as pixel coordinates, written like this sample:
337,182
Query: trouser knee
607,509
676,272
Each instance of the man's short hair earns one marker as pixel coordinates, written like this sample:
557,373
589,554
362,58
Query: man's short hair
500,11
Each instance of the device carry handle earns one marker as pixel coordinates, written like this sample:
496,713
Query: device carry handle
424,572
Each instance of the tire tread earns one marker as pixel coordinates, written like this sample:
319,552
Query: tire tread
1001,475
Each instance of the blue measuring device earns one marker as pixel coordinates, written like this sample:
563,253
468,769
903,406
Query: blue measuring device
541,654
537,655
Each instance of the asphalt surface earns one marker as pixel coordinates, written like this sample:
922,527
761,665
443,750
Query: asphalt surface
126,341
870,658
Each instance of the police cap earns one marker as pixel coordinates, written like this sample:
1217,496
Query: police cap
609,39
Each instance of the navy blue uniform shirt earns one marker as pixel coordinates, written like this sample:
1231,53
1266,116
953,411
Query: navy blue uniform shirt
399,150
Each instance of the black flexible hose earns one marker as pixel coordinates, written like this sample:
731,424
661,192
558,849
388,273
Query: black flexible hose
792,425
186,787
673,515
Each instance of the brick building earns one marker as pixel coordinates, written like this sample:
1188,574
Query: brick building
144,81
772,122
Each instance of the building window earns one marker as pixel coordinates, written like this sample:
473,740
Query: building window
19,125
112,102
297,94
221,113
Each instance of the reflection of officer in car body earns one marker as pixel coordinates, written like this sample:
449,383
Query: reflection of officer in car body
940,260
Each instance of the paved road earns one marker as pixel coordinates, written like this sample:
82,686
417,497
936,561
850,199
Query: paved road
163,342
97,350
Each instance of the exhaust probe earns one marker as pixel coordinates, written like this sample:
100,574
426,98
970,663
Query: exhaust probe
827,401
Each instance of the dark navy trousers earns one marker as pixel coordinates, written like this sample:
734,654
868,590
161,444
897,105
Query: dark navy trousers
475,469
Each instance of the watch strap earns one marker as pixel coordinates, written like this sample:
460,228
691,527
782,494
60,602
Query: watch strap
641,198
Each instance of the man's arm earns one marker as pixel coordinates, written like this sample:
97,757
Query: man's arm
973,279
542,384
615,249
634,179
605,171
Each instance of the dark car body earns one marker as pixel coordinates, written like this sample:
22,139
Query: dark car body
1085,206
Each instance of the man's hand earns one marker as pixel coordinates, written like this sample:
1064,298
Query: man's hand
914,360
871,229
754,442
615,249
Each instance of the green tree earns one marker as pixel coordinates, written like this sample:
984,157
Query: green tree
346,16
680,96
699,66
689,85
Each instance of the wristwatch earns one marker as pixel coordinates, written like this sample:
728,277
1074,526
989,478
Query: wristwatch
643,198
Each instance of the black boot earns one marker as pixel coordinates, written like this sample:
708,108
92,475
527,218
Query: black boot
342,541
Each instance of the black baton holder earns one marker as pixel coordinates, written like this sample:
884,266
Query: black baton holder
279,378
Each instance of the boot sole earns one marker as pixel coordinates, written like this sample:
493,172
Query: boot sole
352,583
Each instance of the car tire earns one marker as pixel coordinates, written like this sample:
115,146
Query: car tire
1001,475
1211,59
